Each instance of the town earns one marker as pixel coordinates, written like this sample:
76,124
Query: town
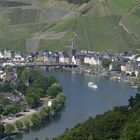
119,65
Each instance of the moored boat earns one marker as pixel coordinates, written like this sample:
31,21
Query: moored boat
92,85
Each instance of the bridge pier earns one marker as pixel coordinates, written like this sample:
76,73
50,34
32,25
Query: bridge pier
47,69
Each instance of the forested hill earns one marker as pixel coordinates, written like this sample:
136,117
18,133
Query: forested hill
122,123
99,25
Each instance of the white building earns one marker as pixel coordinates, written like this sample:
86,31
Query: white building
7,64
49,103
91,60
7,54
128,69
95,61
18,58
73,60
18,55
138,59
87,60
1,55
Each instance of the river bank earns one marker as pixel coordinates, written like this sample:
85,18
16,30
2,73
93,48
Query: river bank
81,102
42,99
100,71
52,111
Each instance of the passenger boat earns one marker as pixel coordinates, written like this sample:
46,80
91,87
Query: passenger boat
92,85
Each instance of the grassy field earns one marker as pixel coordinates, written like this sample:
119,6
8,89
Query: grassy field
17,24
100,29
91,33
42,1
57,44
13,44
125,4
14,37
101,26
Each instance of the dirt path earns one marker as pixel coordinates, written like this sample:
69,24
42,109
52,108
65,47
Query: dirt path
133,9
19,118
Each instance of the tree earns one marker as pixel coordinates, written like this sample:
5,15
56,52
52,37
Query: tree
54,90
6,87
23,106
131,132
20,71
2,130
32,98
44,114
103,127
41,82
9,128
1,109
61,98
134,101
27,124
19,125
33,75
9,70
52,80
106,62
20,86
37,90
36,120
131,102
11,109
90,137
25,75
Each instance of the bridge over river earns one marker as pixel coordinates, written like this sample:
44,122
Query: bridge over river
45,64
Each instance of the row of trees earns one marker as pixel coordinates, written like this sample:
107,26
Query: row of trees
40,87
122,123
8,129
33,85
45,114
6,87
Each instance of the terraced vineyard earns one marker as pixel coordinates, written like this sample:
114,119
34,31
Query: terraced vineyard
52,24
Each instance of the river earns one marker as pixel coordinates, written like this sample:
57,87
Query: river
82,102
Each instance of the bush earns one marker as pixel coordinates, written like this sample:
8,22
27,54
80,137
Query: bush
36,119
9,128
106,62
2,130
54,90
27,124
19,125
44,114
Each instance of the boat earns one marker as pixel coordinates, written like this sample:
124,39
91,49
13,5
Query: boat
92,85
135,87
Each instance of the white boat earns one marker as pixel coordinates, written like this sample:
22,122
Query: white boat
135,87
92,85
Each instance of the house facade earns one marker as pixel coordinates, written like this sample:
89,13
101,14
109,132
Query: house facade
63,58
1,55
7,54
92,60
